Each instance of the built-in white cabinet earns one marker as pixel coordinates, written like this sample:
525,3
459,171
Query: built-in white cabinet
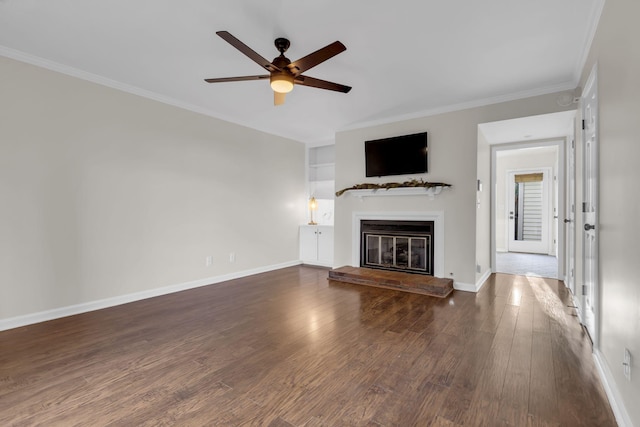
316,245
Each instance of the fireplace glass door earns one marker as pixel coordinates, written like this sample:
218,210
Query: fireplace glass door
398,252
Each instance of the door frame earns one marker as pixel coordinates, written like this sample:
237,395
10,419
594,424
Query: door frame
547,220
594,330
560,142
569,220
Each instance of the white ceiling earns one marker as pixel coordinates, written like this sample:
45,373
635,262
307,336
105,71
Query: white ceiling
404,58
533,128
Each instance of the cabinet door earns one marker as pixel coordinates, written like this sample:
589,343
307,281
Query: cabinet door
308,244
325,245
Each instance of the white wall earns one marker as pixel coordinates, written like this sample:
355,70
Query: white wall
105,193
483,209
520,159
453,147
615,49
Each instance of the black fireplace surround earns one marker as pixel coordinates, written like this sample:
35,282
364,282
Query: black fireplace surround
397,245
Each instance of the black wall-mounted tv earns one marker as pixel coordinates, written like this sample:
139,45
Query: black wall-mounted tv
400,155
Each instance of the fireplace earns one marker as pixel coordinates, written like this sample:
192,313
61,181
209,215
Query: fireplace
397,245
437,239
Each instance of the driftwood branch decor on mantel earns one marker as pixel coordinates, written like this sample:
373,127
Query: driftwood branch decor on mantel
414,183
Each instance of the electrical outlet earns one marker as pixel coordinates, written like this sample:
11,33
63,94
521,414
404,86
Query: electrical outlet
478,268
208,261
232,257
626,363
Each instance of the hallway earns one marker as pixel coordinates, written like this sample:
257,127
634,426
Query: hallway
527,264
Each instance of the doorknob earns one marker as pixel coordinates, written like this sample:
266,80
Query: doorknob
567,221
588,227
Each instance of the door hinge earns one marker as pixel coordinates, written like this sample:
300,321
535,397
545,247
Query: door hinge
573,143
583,124
584,289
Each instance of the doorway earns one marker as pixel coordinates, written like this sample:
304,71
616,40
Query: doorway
528,209
526,206
523,145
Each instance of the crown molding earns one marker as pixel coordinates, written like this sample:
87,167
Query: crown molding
594,19
569,85
123,87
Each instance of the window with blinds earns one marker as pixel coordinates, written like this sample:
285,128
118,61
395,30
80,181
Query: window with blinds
528,209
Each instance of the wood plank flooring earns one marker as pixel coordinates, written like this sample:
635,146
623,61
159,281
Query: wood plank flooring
288,348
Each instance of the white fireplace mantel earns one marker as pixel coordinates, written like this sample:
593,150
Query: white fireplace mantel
438,233
430,192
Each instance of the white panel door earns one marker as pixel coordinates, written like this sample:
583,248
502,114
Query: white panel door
590,204
569,220
528,212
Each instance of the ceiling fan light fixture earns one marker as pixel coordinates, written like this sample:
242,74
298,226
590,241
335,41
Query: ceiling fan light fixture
281,82
283,73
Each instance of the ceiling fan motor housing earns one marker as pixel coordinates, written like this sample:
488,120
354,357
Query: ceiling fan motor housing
282,44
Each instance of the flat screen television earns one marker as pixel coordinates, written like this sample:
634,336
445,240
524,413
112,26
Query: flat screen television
400,155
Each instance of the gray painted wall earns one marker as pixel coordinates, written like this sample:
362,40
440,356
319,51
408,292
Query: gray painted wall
106,194
615,50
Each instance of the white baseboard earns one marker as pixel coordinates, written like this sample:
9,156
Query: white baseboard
578,309
480,283
318,263
609,384
56,313
469,287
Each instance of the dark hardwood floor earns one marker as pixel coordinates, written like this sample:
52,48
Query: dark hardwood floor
289,348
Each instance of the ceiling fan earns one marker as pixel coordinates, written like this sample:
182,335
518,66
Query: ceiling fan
283,73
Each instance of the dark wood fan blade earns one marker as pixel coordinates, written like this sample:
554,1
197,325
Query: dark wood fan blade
321,84
252,54
303,64
237,79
